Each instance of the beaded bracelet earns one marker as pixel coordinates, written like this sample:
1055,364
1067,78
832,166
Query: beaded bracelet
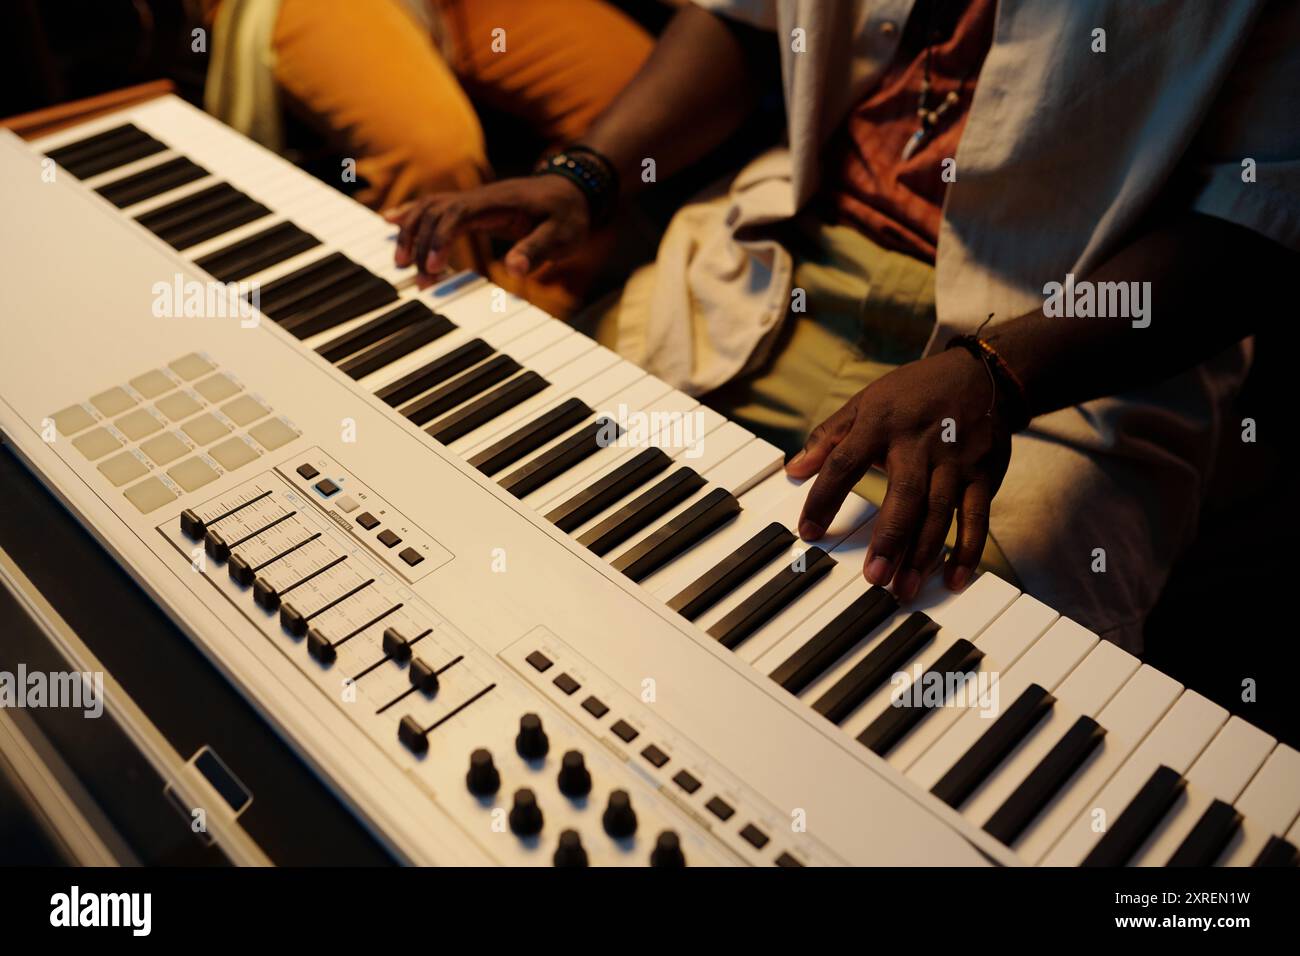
1015,401
591,172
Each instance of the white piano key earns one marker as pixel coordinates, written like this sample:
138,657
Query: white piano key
498,336
170,196
1269,806
959,616
855,513
666,406
667,582
1140,704
1083,693
1047,663
563,379
1220,773
1002,643
731,459
848,553
313,342
1175,742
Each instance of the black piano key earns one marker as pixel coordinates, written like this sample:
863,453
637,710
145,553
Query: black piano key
638,513
881,662
994,744
558,459
127,152
434,373
347,301
309,299
530,437
151,182
259,251
487,407
460,389
1045,780
833,641
188,208
609,489
1277,852
732,571
771,599
307,277
678,535
106,141
1131,828
397,346
1206,840
215,224
380,327
883,733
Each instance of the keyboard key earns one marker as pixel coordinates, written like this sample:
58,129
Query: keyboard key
1126,833
460,389
773,596
553,462
1202,846
367,521
883,733
642,510
487,407
885,659
530,437
434,373
257,252
732,571
677,535
833,641
1045,780
151,182
388,539
377,329
995,743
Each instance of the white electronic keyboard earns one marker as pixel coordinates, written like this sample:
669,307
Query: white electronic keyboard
517,601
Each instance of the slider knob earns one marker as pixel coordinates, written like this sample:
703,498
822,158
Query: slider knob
619,818
532,742
525,815
668,850
483,779
570,852
574,778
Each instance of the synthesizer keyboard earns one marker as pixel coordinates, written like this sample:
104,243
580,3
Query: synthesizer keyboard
517,601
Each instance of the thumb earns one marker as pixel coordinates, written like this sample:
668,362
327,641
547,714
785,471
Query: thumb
534,249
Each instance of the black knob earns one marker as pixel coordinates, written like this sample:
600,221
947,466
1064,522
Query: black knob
574,778
525,815
668,850
570,851
619,818
483,779
531,742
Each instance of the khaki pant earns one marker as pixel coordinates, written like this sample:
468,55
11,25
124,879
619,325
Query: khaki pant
867,311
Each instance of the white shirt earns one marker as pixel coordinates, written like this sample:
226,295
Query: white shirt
1064,149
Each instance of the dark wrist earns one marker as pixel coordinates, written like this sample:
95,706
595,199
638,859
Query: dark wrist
591,173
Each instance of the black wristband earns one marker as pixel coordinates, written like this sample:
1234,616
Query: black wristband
591,172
